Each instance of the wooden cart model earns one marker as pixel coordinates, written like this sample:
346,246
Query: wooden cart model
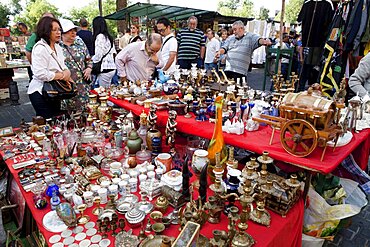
306,120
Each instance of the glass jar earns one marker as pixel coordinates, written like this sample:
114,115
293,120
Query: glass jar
143,155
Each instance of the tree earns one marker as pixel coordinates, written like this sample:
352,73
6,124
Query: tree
4,15
242,8
291,11
91,10
15,7
34,10
121,24
264,13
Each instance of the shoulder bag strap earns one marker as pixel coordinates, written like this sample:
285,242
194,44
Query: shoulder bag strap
106,54
166,41
74,59
52,54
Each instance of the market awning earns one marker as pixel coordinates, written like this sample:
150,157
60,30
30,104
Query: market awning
153,11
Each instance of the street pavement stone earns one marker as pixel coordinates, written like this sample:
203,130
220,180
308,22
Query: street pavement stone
355,235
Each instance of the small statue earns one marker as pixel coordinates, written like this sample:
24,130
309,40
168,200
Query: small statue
201,114
152,117
340,95
171,130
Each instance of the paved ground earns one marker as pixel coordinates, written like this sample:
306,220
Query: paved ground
356,235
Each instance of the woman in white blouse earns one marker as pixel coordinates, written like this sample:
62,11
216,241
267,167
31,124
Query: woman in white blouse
47,65
104,47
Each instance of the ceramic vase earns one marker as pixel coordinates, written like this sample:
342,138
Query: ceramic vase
104,111
134,142
92,106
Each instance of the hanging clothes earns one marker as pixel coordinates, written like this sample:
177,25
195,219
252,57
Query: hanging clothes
333,63
316,16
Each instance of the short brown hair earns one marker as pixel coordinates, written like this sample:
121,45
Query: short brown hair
44,27
83,22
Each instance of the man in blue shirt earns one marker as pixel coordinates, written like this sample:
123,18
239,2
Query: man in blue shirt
86,35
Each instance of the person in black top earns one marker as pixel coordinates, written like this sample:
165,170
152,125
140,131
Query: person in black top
86,35
135,33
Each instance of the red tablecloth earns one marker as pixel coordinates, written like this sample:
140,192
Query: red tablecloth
258,141
285,231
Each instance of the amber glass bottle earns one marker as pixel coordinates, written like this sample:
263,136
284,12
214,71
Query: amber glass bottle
217,144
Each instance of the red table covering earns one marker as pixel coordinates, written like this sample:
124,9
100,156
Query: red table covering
283,231
258,141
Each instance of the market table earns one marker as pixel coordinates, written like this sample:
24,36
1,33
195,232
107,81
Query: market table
258,141
283,231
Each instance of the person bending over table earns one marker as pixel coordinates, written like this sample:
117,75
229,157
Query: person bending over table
359,82
138,60
47,65
239,48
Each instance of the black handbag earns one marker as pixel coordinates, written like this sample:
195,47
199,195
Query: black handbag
59,89
96,67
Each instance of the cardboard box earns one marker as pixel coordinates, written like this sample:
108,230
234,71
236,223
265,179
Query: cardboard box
4,93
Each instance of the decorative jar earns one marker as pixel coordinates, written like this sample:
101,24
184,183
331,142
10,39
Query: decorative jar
104,111
92,106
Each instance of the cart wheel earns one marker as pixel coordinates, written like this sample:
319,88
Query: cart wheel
298,137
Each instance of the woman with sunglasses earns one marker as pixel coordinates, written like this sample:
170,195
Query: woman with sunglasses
47,65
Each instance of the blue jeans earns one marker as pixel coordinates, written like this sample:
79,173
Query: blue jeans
210,66
186,63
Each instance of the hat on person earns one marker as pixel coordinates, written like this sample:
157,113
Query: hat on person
67,25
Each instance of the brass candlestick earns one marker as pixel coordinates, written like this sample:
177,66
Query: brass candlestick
83,219
97,210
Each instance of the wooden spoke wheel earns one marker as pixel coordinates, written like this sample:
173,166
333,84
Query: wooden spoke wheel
298,137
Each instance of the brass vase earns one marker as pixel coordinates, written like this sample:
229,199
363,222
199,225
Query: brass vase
104,111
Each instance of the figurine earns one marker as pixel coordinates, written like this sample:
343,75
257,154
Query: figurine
201,115
171,130
152,117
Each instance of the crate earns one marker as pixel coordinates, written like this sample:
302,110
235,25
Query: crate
4,93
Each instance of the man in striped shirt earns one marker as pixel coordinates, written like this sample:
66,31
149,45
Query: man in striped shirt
191,45
239,48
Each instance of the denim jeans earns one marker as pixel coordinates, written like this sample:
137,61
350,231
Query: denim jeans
186,63
210,66
44,108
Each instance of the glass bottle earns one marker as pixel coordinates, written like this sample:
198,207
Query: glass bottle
143,155
217,144
54,201
143,127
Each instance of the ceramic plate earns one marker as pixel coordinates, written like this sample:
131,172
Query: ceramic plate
89,225
58,245
53,223
91,232
66,233
94,245
80,236
73,245
104,243
85,243
54,239
78,229
68,241
95,239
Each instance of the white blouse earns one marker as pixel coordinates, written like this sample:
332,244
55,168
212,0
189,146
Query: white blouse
45,63
102,46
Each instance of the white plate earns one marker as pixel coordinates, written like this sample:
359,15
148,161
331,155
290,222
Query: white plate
89,225
73,245
85,243
78,229
68,241
80,236
91,232
53,223
94,245
66,233
58,245
104,243
95,239
54,239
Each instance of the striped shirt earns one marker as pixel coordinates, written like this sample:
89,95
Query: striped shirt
190,43
239,52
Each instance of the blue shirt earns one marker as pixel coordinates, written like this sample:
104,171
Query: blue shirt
87,38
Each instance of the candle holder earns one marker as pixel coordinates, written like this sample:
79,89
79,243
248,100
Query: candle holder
83,219
113,225
97,210
121,224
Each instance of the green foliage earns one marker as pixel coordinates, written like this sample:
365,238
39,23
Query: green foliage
34,10
15,7
242,8
292,10
264,13
92,10
4,15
